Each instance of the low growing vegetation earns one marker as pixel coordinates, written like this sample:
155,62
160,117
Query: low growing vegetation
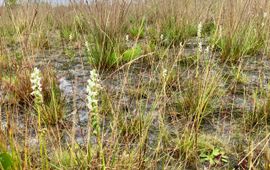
172,84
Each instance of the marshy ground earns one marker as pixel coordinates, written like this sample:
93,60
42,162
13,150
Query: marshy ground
171,84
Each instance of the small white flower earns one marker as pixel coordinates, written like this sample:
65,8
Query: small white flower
161,37
127,37
36,85
200,49
199,32
70,37
87,46
207,50
164,73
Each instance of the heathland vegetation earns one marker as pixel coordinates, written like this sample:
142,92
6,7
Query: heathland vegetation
145,84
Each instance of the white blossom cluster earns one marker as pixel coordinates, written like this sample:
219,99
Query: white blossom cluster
36,85
71,37
92,89
199,36
199,33
93,86
87,45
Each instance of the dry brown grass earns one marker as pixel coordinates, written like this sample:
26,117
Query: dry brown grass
148,120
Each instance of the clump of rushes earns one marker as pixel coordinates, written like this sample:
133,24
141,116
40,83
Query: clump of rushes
47,93
53,101
234,45
93,88
113,54
15,80
137,29
17,86
174,32
102,52
38,101
19,83
259,115
203,92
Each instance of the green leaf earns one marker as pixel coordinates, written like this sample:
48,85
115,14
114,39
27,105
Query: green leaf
224,159
114,58
6,160
216,152
203,155
213,157
132,53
